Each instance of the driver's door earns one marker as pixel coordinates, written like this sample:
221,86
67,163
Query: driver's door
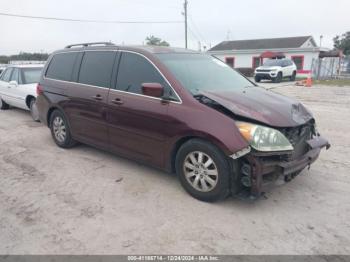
137,123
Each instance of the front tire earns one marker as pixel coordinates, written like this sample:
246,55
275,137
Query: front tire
203,170
292,78
34,110
3,105
60,130
257,79
278,78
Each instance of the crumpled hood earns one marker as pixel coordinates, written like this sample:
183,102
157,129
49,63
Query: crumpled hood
263,106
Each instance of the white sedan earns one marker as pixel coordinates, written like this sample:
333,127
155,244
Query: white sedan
18,87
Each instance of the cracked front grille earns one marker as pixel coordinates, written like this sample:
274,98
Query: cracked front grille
298,136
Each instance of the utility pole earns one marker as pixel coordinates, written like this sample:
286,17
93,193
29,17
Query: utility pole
185,14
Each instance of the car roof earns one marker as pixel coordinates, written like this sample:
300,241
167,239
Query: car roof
27,66
162,49
135,48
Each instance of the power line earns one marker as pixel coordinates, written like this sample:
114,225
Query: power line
195,27
194,34
187,26
155,5
90,21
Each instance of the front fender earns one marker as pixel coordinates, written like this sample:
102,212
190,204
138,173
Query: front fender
207,123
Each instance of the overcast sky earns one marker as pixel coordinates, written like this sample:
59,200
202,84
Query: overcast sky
209,21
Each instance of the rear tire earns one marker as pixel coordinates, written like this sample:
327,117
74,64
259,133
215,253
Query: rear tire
3,105
292,78
257,79
60,130
203,170
34,110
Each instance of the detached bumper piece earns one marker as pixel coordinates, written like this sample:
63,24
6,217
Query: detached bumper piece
260,171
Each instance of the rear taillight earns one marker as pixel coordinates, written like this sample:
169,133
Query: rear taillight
39,89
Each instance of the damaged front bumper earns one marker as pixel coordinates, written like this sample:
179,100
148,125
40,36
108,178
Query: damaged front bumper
259,170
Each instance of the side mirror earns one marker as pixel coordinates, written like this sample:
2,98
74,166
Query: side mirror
13,83
152,89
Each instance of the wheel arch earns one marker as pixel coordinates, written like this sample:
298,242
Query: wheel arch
51,110
49,113
182,140
28,99
176,148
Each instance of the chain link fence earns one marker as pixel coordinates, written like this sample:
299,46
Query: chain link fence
331,68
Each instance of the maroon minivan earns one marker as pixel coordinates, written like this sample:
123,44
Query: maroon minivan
178,110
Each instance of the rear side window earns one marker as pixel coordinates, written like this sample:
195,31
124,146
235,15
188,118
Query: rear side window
96,68
61,66
31,75
135,70
6,75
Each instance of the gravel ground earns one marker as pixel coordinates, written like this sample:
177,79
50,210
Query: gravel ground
86,201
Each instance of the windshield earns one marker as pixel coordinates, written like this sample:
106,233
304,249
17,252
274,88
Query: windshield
31,75
273,62
199,72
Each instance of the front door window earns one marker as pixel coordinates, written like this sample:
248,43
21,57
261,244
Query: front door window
15,75
135,70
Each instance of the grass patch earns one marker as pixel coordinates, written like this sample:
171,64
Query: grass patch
333,82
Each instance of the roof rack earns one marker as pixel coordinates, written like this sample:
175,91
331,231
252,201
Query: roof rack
91,44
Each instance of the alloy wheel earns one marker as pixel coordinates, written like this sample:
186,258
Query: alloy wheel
59,129
200,171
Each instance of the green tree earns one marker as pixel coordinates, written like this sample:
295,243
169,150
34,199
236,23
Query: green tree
343,42
152,40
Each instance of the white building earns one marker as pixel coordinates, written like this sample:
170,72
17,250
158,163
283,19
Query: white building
251,53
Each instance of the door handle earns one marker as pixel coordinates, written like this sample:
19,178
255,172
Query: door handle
117,101
97,97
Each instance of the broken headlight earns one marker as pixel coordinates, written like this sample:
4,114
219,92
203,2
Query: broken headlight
264,138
